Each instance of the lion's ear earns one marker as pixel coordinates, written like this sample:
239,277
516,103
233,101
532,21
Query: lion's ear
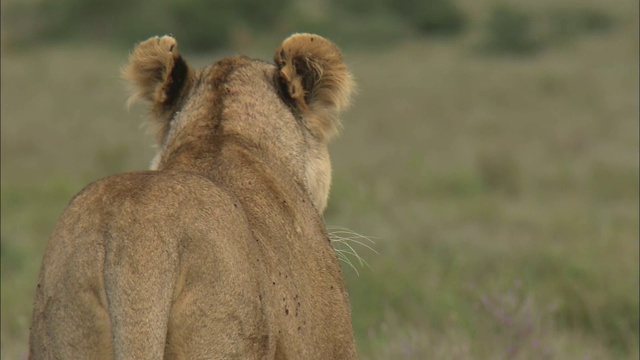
316,80
157,72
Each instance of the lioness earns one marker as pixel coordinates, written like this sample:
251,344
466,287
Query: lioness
221,251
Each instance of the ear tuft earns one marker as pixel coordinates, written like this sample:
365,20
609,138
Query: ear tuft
314,76
156,72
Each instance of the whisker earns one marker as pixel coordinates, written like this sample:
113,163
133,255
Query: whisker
355,235
353,252
345,260
342,238
359,243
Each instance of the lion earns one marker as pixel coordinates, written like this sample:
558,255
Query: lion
220,251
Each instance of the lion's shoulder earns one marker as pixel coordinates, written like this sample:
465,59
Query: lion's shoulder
161,198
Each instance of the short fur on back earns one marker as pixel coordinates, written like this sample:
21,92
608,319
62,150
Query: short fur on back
219,252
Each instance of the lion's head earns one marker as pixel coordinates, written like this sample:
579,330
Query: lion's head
289,110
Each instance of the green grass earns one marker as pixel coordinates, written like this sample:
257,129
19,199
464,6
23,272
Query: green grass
502,193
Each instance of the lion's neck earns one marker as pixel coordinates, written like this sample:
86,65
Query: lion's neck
241,167
266,189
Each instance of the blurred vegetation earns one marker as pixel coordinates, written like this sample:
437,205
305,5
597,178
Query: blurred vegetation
514,30
204,25
510,29
209,25
501,191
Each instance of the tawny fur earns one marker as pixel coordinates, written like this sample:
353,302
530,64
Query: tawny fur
318,80
149,74
222,252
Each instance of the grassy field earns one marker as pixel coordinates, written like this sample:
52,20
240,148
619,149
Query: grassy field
501,192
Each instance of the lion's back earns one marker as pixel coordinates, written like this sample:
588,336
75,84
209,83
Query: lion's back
152,201
181,211
138,220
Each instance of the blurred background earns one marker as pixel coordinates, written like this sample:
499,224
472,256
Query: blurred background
491,154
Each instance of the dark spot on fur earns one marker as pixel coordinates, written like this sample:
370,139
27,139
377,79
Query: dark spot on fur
275,283
286,311
331,287
299,327
260,297
312,39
